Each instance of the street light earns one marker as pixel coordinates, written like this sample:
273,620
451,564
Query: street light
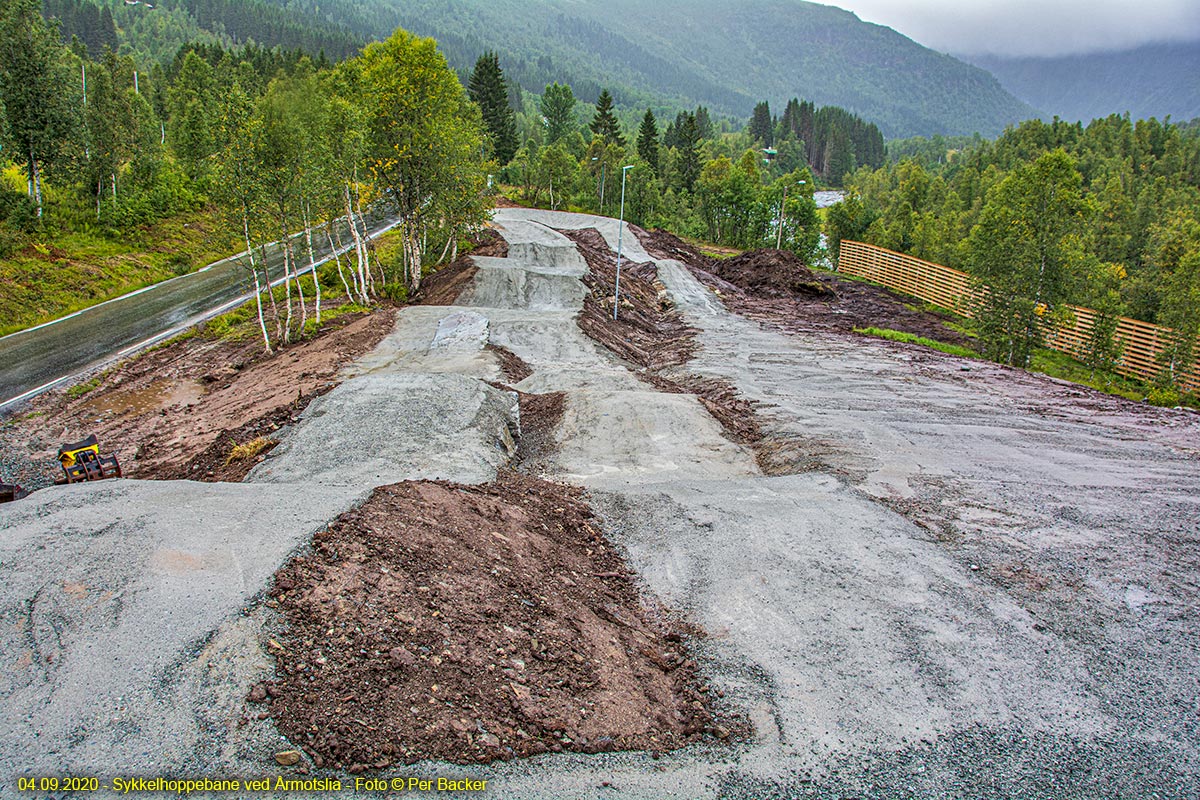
620,230
603,164
779,230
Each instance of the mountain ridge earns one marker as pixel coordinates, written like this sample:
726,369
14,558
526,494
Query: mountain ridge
703,52
1154,80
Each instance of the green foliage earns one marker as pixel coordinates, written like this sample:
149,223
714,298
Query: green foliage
558,109
41,121
849,219
762,127
1177,257
1023,253
488,89
911,338
647,140
1166,396
423,137
604,124
1122,249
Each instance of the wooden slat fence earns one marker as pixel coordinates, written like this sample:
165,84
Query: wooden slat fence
952,289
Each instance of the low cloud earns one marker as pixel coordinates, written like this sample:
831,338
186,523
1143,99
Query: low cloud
1033,27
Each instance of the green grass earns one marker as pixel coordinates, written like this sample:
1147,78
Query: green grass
80,389
912,338
1064,367
50,275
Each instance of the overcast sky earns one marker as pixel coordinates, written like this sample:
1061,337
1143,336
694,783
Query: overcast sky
1033,27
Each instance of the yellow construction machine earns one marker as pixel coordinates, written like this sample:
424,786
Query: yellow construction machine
81,461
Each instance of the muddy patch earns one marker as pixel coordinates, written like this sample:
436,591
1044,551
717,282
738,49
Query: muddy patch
475,623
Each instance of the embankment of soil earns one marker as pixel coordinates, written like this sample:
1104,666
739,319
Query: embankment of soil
475,623
774,287
178,411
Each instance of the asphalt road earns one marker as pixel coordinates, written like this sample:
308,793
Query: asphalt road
36,359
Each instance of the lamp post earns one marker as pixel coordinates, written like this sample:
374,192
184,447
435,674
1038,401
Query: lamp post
603,164
779,230
620,230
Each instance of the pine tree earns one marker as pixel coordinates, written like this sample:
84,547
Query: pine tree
488,89
605,124
647,141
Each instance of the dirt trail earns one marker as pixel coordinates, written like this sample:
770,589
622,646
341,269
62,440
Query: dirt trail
382,663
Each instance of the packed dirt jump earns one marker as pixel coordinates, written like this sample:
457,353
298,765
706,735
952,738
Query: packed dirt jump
717,547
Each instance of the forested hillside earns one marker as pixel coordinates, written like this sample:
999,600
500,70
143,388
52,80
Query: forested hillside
154,32
1105,216
689,52
248,146
1157,80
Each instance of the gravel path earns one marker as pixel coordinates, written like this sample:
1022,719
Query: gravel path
986,588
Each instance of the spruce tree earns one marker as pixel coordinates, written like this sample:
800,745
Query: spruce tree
488,89
647,141
761,127
704,125
605,124
689,153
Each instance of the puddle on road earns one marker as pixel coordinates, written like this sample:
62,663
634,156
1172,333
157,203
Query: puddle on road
160,394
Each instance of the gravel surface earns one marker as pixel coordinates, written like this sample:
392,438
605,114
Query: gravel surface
980,583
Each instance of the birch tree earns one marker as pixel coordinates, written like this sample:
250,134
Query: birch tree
424,141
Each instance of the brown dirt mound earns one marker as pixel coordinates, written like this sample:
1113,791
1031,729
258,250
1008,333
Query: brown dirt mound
384,663
514,367
845,306
774,273
647,331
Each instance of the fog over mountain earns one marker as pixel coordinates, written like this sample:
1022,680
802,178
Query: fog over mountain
1035,28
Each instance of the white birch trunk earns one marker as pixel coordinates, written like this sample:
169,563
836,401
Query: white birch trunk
337,259
360,280
262,322
312,262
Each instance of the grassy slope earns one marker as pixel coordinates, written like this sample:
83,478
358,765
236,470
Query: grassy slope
51,274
